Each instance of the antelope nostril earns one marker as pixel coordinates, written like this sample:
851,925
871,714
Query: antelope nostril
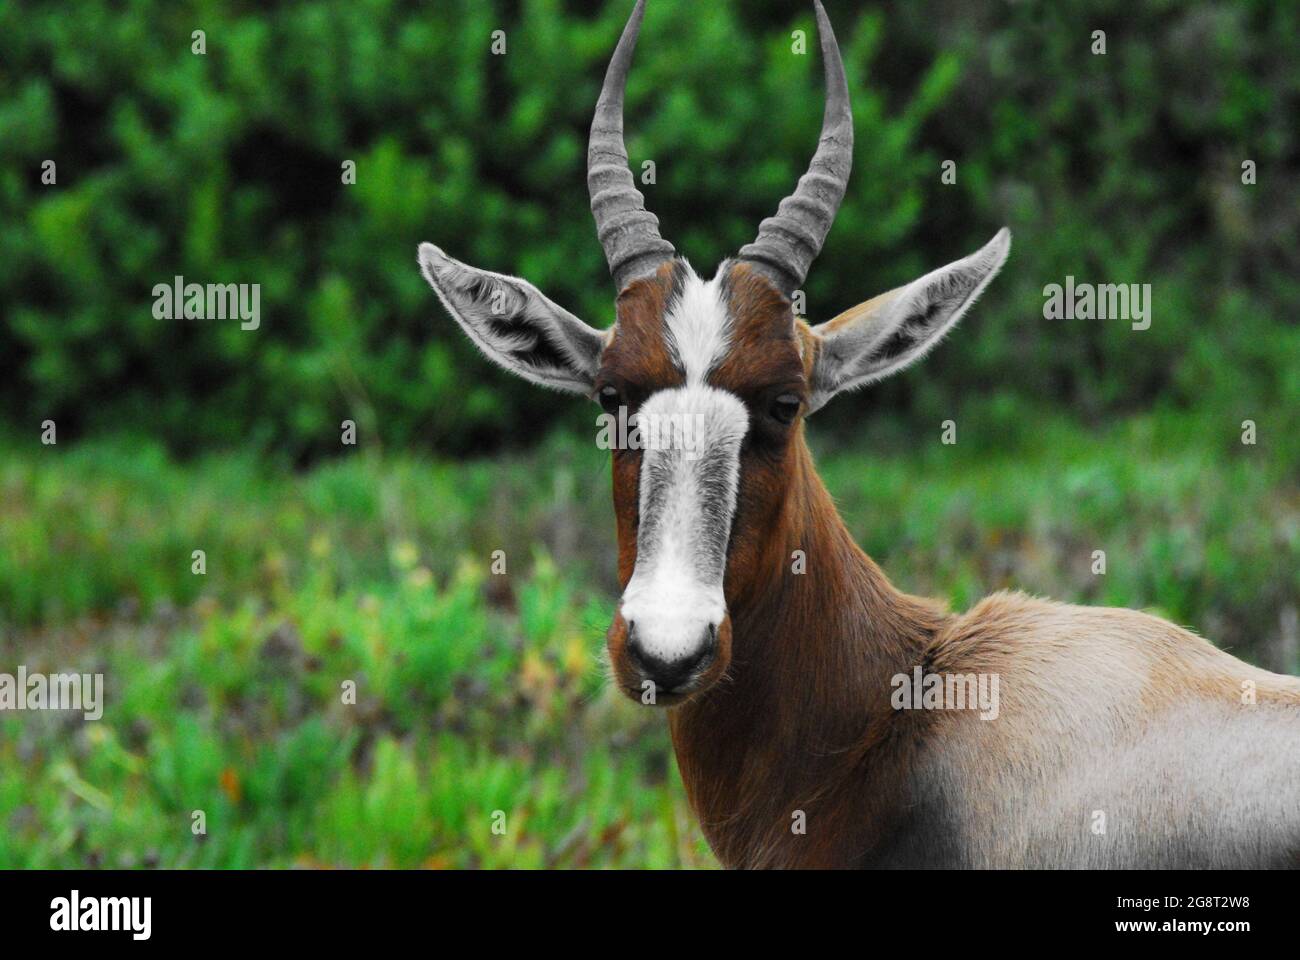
672,673
640,659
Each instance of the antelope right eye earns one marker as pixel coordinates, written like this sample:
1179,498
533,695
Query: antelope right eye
609,399
785,408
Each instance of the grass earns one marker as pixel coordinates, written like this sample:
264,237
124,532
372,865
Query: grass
479,699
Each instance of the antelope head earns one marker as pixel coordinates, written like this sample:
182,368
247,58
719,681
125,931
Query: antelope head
720,372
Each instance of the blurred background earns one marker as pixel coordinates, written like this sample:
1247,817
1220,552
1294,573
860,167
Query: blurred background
369,563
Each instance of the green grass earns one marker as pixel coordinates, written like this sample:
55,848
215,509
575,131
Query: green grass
478,693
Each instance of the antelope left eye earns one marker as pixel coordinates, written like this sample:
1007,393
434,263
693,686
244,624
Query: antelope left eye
609,399
785,408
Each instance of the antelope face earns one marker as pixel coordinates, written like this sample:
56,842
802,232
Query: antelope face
712,375
713,378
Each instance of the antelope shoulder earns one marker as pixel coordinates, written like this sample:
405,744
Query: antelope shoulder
1120,740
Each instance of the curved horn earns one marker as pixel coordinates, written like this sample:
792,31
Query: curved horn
627,230
788,243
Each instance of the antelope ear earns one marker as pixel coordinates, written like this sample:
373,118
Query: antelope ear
514,324
884,335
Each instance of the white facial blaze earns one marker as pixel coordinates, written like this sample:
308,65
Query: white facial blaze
688,485
688,498
698,326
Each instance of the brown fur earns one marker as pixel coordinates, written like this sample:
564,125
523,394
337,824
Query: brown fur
732,737
801,723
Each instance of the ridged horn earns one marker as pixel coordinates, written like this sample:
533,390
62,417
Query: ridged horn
627,230
788,243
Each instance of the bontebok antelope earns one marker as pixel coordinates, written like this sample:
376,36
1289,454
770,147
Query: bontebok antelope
806,705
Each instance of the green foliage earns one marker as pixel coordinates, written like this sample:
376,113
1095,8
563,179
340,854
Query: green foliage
466,703
478,692
227,167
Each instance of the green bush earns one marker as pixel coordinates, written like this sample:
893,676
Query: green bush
226,167
477,692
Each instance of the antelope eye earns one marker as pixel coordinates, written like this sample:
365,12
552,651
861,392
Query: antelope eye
785,408
609,399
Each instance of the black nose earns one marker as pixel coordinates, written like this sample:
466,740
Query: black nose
668,675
